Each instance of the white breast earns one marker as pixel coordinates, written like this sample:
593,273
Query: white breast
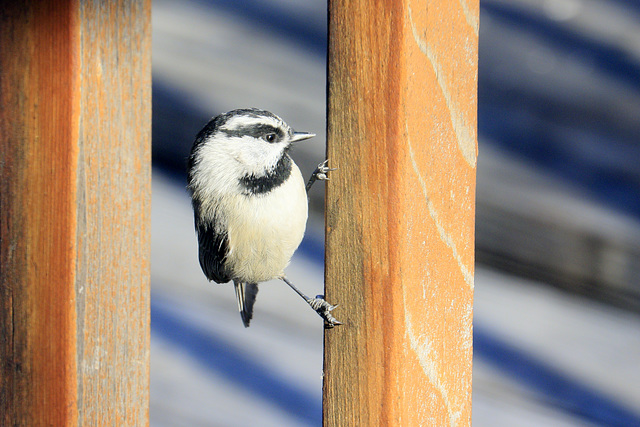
265,230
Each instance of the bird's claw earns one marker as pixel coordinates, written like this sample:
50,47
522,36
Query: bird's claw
324,309
322,171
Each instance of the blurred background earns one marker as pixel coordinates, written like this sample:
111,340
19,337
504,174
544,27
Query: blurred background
557,289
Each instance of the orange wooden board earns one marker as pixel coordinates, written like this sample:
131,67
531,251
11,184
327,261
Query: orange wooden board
400,212
75,120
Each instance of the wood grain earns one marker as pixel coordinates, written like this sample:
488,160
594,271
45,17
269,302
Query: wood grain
75,120
402,80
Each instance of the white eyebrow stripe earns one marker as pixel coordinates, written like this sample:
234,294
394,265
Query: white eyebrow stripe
245,121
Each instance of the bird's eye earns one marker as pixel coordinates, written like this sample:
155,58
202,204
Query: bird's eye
270,137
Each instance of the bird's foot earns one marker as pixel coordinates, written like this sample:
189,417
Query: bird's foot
324,309
322,171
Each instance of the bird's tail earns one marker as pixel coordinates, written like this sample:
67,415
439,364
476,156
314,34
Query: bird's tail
246,296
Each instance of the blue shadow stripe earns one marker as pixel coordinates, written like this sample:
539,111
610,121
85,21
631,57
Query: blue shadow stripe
313,249
632,5
556,388
601,164
609,59
223,358
310,33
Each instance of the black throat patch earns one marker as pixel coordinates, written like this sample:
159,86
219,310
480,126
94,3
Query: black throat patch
271,179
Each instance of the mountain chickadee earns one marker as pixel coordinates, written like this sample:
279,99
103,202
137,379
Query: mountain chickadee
250,203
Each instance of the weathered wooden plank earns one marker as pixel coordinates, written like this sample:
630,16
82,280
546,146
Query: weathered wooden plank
75,199
400,211
112,283
38,214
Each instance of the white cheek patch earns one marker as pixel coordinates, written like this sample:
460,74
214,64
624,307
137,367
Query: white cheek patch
257,156
215,170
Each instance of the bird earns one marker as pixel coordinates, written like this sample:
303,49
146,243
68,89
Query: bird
250,203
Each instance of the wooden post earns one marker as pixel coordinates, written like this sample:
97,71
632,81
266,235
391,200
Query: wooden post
75,182
402,81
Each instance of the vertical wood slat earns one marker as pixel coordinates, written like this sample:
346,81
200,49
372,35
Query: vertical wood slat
75,120
38,214
402,84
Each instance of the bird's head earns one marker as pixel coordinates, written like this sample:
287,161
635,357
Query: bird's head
242,143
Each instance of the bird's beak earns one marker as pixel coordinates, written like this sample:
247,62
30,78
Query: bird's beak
301,136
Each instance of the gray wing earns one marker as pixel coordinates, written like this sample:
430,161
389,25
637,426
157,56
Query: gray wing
213,247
